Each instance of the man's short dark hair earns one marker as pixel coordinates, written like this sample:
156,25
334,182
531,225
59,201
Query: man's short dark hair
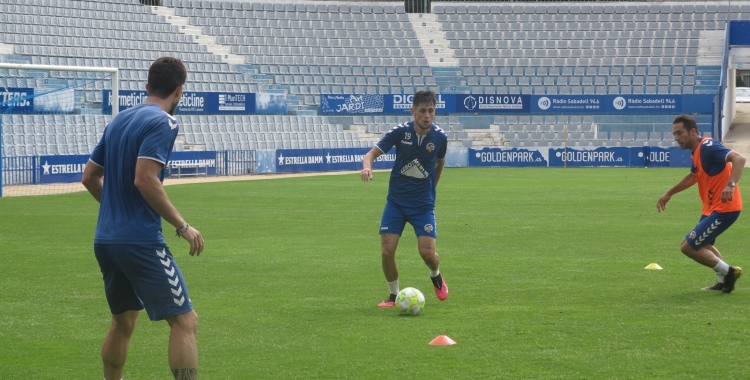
165,75
686,121
424,97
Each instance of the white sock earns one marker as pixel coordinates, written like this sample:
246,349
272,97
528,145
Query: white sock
722,268
393,287
720,277
435,272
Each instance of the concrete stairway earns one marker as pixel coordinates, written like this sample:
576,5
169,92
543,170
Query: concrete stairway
738,137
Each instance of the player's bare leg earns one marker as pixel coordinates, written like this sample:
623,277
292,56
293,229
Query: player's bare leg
703,256
183,347
427,251
388,245
115,347
714,251
427,246
708,257
719,285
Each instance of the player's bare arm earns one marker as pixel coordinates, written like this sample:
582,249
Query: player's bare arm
367,161
93,180
738,164
152,190
439,164
685,183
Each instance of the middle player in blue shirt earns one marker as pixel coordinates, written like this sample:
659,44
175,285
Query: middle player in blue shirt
420,157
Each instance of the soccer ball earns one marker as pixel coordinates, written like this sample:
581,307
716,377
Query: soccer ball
410,301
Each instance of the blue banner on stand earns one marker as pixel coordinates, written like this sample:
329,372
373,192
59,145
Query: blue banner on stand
66,169
345,104
16,100
196,103
493,103
507,157
402,103
654,157
618,156
192,163
638,157
567,104
525,104
739,32
228,102
680,158
204,103
127,99
643,104
352,104
344,158
351,159
300,160
270,103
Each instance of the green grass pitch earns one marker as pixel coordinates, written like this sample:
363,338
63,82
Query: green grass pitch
545,267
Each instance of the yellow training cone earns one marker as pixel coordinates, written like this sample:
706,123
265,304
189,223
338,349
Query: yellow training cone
654,266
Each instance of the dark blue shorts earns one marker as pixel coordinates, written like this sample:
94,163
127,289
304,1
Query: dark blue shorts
421,218
142,276
709,228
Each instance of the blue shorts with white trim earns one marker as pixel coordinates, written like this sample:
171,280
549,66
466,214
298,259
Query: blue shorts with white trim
142,276
421,218
710,227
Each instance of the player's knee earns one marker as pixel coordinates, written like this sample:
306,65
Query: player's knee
427,253
388,253
187,322
124,323
191,322
123,326
687,249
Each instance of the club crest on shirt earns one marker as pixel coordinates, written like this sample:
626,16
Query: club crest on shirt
428,228
692,234
430,147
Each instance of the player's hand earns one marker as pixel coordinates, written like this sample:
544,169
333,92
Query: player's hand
726,194
661,205
195,239
366,175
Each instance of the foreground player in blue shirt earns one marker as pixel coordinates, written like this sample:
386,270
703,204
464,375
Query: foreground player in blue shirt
125,174
420,157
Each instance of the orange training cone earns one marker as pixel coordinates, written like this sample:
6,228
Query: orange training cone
442,340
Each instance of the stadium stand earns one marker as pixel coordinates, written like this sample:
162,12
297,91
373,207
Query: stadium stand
305,49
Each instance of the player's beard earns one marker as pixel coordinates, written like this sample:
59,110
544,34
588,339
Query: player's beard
174,106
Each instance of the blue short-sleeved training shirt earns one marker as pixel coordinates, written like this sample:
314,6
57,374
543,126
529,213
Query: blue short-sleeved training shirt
144,131
412,182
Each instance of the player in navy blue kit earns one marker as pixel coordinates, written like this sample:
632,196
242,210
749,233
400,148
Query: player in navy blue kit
420,157
125,174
